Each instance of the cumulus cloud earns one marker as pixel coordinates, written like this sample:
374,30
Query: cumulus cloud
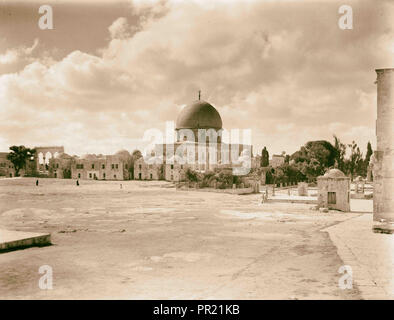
285,70
18,55
119,29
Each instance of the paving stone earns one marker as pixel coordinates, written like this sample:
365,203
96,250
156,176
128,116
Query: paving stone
11,240
370,255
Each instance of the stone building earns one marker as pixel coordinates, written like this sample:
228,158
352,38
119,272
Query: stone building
6,167
383,157
102,167
197,149
60,166
277,160
91,166
334,190
148,170
175,172
43,156
193,148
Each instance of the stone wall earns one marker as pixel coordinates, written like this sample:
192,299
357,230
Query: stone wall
302,189
145,171
230,191
6,167
176,171
105,168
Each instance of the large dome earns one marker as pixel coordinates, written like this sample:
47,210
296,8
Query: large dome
199,115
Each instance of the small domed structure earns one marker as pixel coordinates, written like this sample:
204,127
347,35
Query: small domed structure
334,173
334,190
88,156
122,151
63,156
199,115
123,154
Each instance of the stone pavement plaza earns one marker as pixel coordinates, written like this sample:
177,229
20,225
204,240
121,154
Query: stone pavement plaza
370,255
149,241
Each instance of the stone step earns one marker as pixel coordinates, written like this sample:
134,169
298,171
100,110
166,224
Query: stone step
12,240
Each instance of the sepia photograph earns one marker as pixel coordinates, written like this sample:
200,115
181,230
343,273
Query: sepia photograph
196,150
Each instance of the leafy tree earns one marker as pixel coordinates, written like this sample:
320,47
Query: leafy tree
268,177
369,153
310,170
264,157
314,158
136,154
291,173
18,156
323,151
341,152
279,175
355,162
367,159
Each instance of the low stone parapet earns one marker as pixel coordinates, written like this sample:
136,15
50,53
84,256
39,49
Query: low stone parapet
230,191
12,240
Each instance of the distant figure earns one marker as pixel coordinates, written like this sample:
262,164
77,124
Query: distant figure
264,197
77,183
121,186
37,182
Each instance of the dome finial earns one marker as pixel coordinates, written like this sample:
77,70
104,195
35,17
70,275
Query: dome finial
199,94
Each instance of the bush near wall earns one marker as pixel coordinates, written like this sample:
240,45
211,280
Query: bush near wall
222,178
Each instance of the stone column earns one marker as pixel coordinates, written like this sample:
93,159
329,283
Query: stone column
383,157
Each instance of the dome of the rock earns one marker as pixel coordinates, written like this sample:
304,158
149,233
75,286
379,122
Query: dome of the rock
199,115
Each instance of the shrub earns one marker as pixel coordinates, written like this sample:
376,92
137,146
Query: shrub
191,175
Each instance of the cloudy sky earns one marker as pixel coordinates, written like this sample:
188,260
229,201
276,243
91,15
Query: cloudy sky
109,70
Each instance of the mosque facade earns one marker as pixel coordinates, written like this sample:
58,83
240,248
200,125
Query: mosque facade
199,146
